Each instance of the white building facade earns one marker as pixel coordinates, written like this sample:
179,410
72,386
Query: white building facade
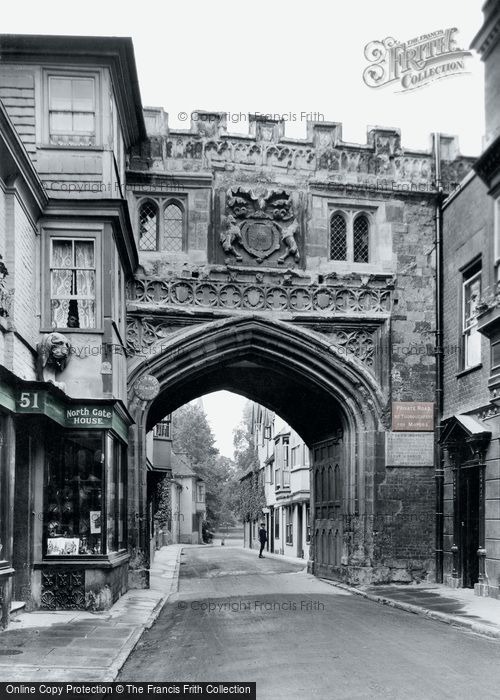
284,465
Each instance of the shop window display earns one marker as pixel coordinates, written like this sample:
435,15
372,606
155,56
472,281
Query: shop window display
74,495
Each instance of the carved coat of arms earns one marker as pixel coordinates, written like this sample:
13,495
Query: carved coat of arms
261,225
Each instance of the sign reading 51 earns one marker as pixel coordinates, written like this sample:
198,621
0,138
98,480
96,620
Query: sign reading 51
28,401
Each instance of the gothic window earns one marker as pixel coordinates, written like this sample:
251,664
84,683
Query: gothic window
360,242
338,237
148,226
173,228
350,237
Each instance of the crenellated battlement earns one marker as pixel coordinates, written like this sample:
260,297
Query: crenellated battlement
208,145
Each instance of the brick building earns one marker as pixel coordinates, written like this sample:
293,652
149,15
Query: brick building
470,533
467,423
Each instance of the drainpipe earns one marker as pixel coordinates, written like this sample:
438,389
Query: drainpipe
438,452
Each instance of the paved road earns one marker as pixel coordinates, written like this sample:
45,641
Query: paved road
238,618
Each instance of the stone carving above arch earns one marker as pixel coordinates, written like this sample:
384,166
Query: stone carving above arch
273,296
260,227
145,336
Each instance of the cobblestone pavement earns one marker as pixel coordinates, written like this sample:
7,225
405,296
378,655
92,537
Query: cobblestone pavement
238,618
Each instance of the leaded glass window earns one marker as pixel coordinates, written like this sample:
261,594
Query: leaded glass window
361,230
338,238
148,226
173,228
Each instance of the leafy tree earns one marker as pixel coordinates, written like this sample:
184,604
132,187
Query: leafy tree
163,506
249,495
245,451
250,499
193,435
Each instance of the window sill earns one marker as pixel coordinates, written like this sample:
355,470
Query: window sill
463,372
91,331
68,147
90,561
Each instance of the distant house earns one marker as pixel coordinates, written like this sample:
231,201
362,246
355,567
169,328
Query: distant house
186,495
190,510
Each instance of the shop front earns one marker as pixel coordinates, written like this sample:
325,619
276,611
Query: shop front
70,505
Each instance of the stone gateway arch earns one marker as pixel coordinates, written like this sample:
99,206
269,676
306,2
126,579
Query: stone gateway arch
330,399
300,275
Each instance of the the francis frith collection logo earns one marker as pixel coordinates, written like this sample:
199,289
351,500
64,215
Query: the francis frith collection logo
414,63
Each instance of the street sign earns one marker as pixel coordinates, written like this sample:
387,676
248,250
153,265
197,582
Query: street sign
413,416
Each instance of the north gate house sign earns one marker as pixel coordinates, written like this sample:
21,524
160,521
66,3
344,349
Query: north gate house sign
261,225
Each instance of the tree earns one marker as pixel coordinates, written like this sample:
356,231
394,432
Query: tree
245,451
249,495
193,435
250,498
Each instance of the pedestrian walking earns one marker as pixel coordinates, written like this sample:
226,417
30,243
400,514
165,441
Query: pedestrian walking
262,539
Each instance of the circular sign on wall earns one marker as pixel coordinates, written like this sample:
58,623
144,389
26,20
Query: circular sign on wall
147,388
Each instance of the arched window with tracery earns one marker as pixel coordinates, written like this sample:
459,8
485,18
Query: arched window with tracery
173,228
148,226
360,239
338,237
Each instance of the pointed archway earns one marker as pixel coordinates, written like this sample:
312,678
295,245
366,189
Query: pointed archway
331,400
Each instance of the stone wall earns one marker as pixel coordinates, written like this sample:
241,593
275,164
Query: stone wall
236,190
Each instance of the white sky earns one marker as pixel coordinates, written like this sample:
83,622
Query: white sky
224,412
278,57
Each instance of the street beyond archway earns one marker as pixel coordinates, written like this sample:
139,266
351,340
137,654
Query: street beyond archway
238,618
